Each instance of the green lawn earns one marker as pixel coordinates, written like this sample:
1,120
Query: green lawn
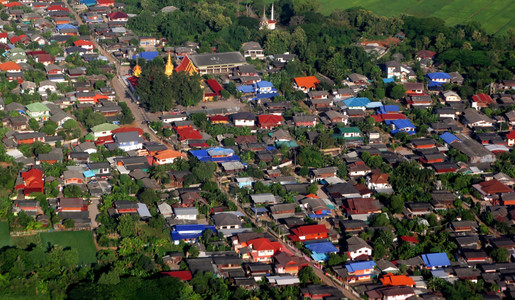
80,240
496,16
5,238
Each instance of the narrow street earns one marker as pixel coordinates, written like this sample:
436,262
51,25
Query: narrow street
93,212
140,117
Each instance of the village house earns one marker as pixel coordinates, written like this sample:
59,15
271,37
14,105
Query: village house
252,50
305,84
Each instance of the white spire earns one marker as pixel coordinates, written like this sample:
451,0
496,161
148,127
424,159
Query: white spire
272,17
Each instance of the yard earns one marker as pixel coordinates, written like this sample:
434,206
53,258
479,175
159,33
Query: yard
80,240
5,238
496,16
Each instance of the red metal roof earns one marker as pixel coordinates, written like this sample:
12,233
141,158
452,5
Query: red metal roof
219,118
309,229
182,275
215,86
188,133
409,239
128,129
482,98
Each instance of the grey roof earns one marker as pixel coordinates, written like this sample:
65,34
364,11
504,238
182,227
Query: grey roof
214,59
354,243
131,136
263,198
226,219
251,46
472,116
181,211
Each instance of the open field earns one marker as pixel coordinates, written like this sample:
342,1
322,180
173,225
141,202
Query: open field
5,238
496,16
80,240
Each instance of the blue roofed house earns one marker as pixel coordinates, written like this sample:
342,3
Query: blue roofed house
88,2
149,55
215,155
189,233
388,109
357,103
402,125
438,79
360,271
449,138
436,260
259,90
321,251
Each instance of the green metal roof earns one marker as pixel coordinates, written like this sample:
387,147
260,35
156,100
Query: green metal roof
104,127
37,107
349,129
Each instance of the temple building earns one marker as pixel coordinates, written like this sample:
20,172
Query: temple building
265,22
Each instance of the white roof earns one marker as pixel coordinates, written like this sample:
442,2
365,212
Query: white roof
15,153
143,210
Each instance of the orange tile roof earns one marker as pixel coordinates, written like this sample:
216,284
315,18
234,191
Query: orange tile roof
309,82
168,153
397,280
10,66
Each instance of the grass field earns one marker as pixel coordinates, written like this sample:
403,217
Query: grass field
80,240
5,238
496,16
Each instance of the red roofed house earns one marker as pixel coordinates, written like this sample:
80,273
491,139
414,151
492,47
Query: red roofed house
510,137
212,89
128,129
188,134
270,121
397,280
263,250
88,45
31,182
491,189
105,3
308,233
481,101
305,84
45,59
182,275
12,4
219,119
409,239
56,8
118,16
421,54
3,37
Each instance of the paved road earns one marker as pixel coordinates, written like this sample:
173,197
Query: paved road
121,90
93,212
320,273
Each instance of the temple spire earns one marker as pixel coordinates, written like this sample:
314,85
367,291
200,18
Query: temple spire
169,66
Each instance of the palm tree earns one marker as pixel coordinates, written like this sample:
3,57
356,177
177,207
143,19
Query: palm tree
159,174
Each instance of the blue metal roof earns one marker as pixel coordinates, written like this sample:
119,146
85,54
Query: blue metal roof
356,102
88,173
194,227
402,123
259,210
438,75
388,108
246,89
449,137
220,151
388,80
263,84
150,55
374,104
325,247
434,84
65,26
436,259
361,265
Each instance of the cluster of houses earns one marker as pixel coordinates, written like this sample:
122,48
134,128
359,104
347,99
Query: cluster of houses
309,227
